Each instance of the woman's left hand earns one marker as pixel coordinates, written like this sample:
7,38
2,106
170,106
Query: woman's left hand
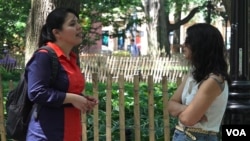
92,102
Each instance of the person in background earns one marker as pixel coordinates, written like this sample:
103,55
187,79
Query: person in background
134,50
59,118
200,101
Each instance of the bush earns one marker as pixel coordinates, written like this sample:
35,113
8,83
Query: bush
121,53
129,103
10,75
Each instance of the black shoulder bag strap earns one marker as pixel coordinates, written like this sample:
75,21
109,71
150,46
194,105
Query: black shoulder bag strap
55,66
55,63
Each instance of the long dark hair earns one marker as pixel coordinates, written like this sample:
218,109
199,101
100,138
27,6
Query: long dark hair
54,20
208,51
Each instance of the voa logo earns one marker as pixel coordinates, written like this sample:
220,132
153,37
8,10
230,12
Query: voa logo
236,132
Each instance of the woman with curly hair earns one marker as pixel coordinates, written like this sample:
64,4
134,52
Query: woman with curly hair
200,101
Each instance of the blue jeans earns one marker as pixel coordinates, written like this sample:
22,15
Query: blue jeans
181,136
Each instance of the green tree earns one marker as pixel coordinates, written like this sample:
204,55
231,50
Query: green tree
163,24
14,14
118,14
13,17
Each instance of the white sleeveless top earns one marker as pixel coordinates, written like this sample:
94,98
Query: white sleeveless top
215,112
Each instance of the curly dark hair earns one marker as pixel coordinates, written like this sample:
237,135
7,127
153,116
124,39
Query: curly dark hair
208,51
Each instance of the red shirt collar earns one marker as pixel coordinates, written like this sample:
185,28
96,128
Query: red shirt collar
59,51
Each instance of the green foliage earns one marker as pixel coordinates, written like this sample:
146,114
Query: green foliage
14,14
107,13
7,75
129,105
13,17
121,53
129,110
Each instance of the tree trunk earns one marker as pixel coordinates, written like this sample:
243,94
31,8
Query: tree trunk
227,4
151,9
162,29
37,16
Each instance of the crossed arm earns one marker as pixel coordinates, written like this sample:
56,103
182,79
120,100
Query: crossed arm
195,111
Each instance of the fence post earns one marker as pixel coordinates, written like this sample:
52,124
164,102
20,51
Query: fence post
84,121
11,85
109,108
2,125
137,126
96,109
121,107
179,80
151,108
165,111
